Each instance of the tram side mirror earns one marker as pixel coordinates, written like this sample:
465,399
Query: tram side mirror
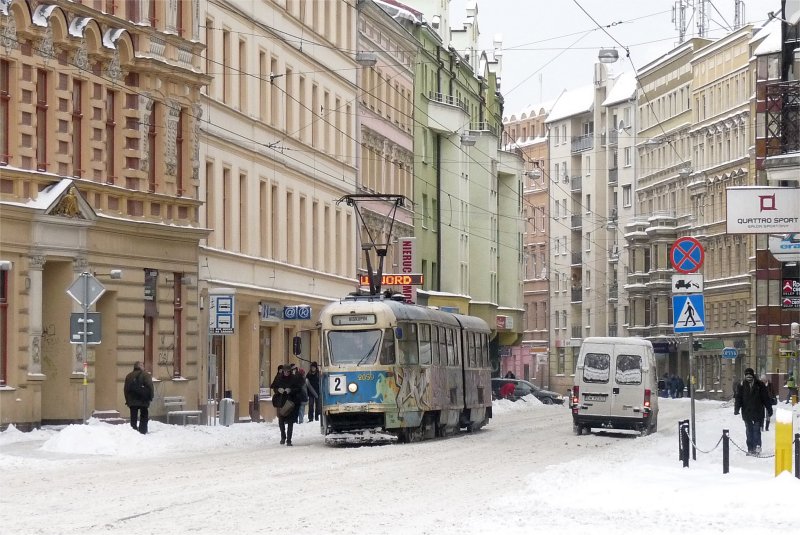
297,346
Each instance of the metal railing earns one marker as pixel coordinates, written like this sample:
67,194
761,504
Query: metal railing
577,295
577,259
575,183
613,137
613,175
447,99
576,221
483,126
582,143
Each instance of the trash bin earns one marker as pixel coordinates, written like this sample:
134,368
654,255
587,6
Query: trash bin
226,411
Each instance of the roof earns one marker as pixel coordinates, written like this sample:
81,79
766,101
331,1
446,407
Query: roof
573,102
624,88
771,35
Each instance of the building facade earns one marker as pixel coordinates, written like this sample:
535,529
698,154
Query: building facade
776,70
385,123
467,191
98,153
527,133
278,155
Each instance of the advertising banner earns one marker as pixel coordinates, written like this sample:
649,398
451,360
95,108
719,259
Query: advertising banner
762,210
407,254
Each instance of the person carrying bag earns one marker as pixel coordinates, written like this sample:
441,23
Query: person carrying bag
286,390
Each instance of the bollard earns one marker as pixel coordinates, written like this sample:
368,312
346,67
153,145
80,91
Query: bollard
681,424
797,455
783,441
726,452
685,444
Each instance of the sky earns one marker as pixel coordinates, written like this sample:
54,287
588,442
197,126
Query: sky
551,45
524,473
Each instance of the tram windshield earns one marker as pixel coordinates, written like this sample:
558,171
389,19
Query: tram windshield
354,347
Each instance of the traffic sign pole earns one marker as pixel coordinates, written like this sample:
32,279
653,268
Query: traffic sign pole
691,394
85,344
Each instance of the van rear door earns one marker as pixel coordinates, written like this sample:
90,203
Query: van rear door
628,390
595,392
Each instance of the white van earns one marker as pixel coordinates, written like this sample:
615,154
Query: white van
615,385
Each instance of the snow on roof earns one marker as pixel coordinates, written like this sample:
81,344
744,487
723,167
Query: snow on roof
572,102
624,88
771,35
400,11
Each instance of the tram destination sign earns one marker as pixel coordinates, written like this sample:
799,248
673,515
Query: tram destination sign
388,279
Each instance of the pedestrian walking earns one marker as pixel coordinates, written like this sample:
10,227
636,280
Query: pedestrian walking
314,395
753,401
303,398
138,390
286,392
791,386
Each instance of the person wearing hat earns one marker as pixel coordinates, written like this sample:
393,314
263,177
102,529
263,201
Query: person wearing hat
286,398
752,399
138,389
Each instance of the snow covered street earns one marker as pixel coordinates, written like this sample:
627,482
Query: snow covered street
526,471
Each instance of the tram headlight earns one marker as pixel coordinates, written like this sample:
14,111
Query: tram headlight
352,388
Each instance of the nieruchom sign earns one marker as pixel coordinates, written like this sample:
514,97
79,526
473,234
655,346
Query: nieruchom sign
759,210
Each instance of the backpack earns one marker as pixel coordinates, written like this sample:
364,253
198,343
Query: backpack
139,389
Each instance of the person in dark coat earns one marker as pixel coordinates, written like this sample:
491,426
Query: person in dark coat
139,392
753,401
286,388
314,396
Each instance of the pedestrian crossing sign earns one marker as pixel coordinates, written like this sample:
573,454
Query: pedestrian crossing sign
688,313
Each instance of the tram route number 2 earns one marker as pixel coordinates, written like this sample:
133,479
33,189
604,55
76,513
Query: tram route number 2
337,384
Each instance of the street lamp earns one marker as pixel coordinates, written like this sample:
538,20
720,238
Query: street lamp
608,55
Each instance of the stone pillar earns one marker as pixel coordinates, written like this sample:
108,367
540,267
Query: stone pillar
35,268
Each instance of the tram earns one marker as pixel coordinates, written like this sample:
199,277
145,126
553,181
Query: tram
411,371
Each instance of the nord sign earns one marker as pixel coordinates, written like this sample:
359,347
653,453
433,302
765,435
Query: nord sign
411,279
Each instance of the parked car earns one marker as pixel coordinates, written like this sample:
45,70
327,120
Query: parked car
523,388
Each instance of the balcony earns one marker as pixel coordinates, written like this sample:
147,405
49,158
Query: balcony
613,292
576,331
446,114
577,295
613,176
576,222
577,259
782,125
483,126
613,330
613,137
582,143
575,184
782,118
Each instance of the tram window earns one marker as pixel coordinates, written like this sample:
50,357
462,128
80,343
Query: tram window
473,349
354,347
424,344
435,345
387,347
407,343
484,351
443,349
452,347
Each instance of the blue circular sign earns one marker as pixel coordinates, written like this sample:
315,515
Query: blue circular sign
686,255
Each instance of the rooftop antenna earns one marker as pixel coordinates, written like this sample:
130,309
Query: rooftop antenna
738,14
679,19
702,19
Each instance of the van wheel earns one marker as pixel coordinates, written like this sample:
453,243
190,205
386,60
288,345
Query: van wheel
547,401
578,429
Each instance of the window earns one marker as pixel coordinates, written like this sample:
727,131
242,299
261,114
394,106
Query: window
179,153
180,25
626,195
77,128
627,156
596,368
152,138
111,131
41,120
177,326
629,370
424,344
5,110
3,328
407,343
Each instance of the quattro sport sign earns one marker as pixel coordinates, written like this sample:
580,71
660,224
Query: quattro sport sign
759,210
